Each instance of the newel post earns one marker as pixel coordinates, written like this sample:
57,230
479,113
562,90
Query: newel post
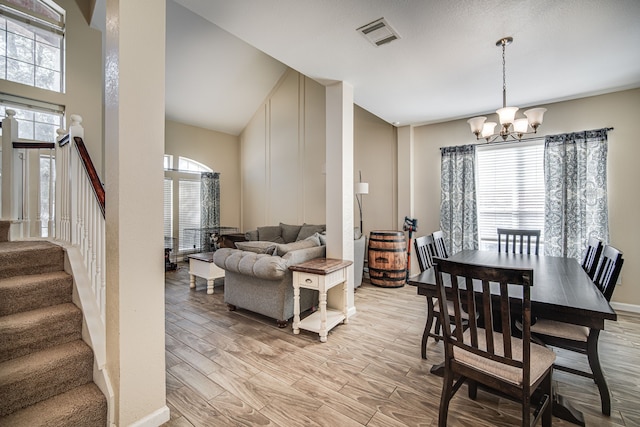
12,174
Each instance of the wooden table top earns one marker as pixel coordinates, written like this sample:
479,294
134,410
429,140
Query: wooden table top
561,289
322,266
203,256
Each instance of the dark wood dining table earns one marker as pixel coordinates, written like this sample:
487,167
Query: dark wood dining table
561,291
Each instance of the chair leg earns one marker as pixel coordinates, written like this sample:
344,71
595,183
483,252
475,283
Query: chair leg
526,411
437,330
427,328
547,387
445,398
598,375
473,389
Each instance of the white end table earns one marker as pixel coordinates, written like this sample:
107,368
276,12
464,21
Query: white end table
320,274
202,265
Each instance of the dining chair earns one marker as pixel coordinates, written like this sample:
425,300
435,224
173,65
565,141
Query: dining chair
514,240
425,248
582,339
441,247
425,251
592,256
513,366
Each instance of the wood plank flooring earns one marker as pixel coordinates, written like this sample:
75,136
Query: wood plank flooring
239,369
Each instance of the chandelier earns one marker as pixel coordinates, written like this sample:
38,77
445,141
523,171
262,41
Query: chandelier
510,127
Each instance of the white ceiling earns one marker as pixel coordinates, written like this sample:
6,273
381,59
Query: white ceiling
224,57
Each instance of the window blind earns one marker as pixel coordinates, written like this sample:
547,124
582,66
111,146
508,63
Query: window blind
189,214
510,189
168,213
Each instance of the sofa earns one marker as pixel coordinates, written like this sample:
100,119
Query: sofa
257,275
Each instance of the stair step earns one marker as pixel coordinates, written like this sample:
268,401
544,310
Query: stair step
4,230
83,406
31,331
38,376
29,257
23,293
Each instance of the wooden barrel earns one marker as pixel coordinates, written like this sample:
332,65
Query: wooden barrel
387,259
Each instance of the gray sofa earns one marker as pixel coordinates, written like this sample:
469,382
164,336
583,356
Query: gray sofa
257,275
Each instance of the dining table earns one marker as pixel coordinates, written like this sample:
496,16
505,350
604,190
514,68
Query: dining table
561,291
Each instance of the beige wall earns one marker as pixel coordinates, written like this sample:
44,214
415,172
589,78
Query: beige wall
282,156
375,155
217,150
618,110
83,69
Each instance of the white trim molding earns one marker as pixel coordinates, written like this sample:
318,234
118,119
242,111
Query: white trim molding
631,308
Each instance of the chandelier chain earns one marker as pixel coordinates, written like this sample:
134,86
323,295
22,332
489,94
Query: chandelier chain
504,75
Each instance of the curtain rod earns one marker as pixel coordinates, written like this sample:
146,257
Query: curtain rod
533,138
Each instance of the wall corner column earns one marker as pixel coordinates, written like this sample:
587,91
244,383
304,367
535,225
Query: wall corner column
339,182
405,169
134,147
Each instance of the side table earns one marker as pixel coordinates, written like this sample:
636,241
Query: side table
320,274
202,265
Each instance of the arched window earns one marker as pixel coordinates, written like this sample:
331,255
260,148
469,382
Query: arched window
182,204
31,43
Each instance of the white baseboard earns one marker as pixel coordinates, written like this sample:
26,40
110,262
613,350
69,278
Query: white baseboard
620,306
154,419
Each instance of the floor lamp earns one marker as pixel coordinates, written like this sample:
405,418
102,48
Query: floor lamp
361,188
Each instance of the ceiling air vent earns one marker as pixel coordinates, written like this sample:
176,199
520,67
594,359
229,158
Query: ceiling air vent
379,32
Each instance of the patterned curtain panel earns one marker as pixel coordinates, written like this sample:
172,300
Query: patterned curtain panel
458,213
209,208
575,174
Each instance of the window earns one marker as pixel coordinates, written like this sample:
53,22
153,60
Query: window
183,187
186,164
47,202
510,189
36,120
31,43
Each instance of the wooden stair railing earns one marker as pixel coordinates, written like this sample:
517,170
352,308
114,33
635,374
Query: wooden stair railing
89,168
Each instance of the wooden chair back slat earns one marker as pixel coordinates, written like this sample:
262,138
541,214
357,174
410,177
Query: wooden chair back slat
441,247
608,272
515,238
425,251
592,256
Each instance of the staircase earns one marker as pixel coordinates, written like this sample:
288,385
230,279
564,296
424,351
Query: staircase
46,369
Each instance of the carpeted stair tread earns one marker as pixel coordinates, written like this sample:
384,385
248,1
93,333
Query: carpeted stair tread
4,230
83,406
29,331
23,293
29,257
38,376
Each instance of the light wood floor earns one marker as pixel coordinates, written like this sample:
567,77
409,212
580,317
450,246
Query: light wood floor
238,368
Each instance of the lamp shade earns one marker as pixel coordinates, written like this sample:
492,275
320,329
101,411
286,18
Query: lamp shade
507,114
476,124
362,188
488,128
520,125
535,116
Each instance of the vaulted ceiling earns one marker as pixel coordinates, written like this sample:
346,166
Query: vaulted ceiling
224,57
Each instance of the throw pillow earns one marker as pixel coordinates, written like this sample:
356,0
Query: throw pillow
270,233
290,232
257,247
323,238
311,242
309,230
251,235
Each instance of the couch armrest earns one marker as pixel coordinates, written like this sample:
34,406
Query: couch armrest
302,255
262,266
